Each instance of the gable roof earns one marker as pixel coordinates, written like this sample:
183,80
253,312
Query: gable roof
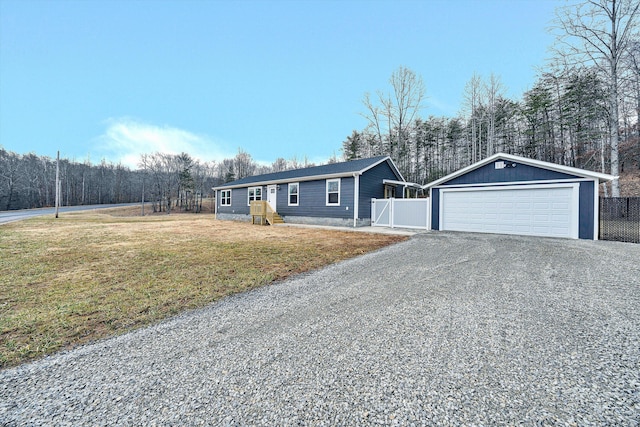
332,170
583,173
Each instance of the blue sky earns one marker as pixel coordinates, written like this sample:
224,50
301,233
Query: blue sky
115,79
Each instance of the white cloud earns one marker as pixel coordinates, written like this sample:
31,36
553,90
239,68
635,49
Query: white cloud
126,139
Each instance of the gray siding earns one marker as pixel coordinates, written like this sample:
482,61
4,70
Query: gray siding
489,174
238,202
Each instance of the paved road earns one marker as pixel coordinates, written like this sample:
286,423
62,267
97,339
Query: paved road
9,216
443,329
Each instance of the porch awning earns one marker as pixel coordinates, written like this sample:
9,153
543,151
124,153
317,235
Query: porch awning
402,183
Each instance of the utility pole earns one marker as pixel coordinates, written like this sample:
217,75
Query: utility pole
57,183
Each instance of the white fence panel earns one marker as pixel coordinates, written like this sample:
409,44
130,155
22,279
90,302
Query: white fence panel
381,212
400,213
410,213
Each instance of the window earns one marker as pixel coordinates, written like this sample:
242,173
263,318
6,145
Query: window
294,189
333,192
255,193
225,198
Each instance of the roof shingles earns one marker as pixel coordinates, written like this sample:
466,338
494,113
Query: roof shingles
328,169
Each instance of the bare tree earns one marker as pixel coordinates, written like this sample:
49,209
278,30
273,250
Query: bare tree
472,103
244,164
494,91
279,165
392,115
598,32
632,80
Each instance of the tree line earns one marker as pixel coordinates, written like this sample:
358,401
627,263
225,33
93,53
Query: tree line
582,111
166,181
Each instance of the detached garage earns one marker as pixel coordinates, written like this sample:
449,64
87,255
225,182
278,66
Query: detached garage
508,194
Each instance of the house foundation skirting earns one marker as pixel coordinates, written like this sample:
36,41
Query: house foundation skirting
338,222
233,217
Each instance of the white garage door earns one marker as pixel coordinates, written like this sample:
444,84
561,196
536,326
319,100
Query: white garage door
550,210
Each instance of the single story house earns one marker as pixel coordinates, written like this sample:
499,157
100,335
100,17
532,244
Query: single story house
514,195
332,194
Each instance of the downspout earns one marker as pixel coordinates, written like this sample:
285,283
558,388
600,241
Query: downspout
215,199
356,198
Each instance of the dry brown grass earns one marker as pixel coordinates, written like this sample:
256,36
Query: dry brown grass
87,276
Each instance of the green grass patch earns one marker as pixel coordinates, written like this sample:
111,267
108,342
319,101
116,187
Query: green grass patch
82,277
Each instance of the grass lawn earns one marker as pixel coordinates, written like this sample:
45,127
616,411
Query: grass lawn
86,276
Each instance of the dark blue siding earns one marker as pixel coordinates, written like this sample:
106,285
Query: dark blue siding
312,200
586,215
371,186
489,174
435,209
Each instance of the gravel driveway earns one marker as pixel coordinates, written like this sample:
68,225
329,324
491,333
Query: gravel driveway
444,329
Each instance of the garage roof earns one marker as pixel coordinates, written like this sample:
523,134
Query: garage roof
583,173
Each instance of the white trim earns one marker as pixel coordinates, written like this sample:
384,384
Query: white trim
292,179
575,200
531,162
326,192
356,198
254,194
275,204
395,168
515,183
222,198
403,183
289,194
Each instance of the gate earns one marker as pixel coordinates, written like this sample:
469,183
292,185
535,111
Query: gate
400,213
381,212
620,219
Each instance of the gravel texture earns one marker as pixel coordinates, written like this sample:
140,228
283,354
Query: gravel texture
443,329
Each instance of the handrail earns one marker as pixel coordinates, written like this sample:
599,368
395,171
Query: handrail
262,209
258,207
270,213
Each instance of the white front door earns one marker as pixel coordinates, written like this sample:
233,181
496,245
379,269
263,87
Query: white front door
272,193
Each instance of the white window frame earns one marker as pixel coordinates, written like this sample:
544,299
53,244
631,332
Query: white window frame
338,180
254,197
224,198
297,193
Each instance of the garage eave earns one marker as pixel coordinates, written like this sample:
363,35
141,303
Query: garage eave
583,173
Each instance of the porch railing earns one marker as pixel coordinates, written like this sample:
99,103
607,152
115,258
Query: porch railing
261,210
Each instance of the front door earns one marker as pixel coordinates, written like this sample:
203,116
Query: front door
272,193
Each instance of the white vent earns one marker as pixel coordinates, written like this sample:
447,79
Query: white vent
500,165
